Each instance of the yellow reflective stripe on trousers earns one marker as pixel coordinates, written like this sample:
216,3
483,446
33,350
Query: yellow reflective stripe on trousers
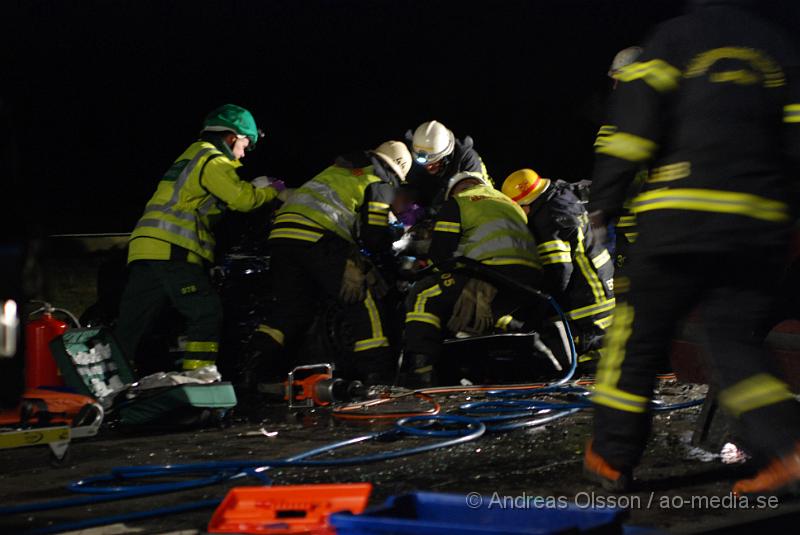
608,370
447,226
618,399
706,200
377,339
626,146
202,347
791,113
754,393
377,220
295,234
656,73
193,364
589,274
276,334
591,310
424,317
627,221
419,313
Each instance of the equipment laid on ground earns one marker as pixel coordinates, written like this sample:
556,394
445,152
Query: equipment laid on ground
287,509
313,385
40,367
93,364
52,418
432,513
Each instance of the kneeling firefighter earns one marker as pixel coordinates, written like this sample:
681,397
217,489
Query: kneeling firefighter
315,244
173,243
481,223
578,270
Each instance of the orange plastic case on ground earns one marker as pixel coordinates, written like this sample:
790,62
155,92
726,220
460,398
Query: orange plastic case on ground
289,509
41,406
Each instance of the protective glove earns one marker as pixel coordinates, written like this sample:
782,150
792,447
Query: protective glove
599,223
377,283
267,182
354,288
473,309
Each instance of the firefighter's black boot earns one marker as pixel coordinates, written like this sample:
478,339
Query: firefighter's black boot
417,371
260,363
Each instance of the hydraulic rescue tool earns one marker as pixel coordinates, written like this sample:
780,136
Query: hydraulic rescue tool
313,385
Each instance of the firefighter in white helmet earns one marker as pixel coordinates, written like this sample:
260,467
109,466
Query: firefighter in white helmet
438,156
315,246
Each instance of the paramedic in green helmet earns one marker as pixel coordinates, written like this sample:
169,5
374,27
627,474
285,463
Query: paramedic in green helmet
172,245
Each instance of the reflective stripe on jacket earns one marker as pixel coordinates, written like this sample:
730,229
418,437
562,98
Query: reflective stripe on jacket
494,229
199,186
332,199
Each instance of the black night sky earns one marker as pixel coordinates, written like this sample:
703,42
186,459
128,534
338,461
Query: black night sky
100,95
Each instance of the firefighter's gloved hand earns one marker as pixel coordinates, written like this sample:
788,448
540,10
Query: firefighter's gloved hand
473,309
599,223
377,283
484,295
354,287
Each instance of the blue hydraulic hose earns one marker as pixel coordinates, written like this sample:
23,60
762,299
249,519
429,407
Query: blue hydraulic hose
226,470
125,517
573,351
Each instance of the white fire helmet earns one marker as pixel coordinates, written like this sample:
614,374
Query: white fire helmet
432,141
396,155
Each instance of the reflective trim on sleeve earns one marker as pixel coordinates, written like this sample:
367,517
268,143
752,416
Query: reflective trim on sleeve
626,146
656,73
555,258
791,113
729,202
379,207
555,245
601,259
447,226
591,310
377,220
274,333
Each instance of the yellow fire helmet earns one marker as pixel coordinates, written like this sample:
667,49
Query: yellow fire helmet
524,186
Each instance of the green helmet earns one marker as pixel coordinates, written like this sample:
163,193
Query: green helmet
230,117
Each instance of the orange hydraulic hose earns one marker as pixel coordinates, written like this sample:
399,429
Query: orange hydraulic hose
346,412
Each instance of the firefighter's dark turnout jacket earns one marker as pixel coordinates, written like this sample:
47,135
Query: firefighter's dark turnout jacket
712,107
578,270
429,188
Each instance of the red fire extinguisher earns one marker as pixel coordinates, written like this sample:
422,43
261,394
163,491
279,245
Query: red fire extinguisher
40,366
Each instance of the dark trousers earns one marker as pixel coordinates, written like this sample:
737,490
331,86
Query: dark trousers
430,304
737,291
305,279
155,284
